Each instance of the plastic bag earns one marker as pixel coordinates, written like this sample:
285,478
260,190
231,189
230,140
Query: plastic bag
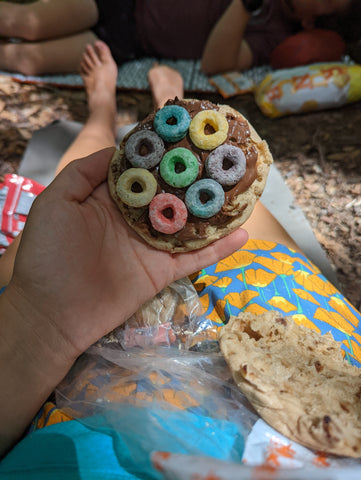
172,317
308,88
177,415
157,400
171,412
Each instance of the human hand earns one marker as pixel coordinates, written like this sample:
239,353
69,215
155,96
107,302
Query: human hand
81,271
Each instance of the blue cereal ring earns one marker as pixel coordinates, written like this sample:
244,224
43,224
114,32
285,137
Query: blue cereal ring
179,167
226,164
144,149
204,198
136,187
171,123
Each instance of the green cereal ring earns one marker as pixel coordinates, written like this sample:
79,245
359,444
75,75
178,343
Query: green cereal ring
197,129
136,187
179,167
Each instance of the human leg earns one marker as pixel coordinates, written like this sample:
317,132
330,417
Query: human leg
262,225
99,72
165,83
46,19
61,55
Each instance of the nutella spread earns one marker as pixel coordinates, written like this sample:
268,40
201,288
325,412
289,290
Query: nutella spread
238,135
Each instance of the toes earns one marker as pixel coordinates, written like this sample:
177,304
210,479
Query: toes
93,55
103,51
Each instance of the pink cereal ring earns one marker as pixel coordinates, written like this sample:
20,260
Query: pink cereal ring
167,213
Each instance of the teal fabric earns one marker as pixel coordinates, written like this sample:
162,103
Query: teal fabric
265,276
118,444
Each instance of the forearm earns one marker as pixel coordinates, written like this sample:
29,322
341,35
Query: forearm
226,49
30,368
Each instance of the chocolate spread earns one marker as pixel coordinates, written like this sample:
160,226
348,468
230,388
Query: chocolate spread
238,135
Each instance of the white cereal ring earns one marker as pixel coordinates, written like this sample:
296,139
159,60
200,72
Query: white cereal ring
136,187
197,129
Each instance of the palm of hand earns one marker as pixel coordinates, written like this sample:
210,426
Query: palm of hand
82,268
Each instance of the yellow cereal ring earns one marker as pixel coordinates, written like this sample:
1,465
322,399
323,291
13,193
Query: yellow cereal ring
197,129
136,187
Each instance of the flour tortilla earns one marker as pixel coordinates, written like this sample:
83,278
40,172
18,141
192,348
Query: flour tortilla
297,380
240,209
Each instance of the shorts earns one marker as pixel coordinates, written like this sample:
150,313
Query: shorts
117,28
265,276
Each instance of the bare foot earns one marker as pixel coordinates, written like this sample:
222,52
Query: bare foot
165,83
99,72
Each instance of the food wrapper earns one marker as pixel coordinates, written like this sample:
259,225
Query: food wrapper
17,194
176,414
160,388
158,399
267,456
174,317
308,88
230,84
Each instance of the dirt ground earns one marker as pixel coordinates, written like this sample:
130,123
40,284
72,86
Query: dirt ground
319,155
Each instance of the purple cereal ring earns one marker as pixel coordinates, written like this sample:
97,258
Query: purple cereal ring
226,164
167,213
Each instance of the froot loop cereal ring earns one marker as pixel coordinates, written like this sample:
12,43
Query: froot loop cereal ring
198,127
171,123
144,149
226,164
136,187
179,167
204,198
167,213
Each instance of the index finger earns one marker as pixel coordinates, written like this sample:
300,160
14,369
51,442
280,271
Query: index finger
189,262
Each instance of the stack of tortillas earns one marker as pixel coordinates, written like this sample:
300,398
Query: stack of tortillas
297,380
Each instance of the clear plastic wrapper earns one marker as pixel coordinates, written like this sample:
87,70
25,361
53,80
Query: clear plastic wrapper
172,408
156,400
174,317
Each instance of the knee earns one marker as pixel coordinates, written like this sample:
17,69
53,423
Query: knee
26,63
29,28
26,23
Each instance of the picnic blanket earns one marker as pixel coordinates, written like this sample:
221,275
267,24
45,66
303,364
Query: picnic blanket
132,75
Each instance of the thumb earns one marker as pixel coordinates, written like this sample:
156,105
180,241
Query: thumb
80,178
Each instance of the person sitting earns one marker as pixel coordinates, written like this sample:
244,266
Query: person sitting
224,34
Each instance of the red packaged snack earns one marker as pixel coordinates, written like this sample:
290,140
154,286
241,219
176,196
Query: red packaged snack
16,197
